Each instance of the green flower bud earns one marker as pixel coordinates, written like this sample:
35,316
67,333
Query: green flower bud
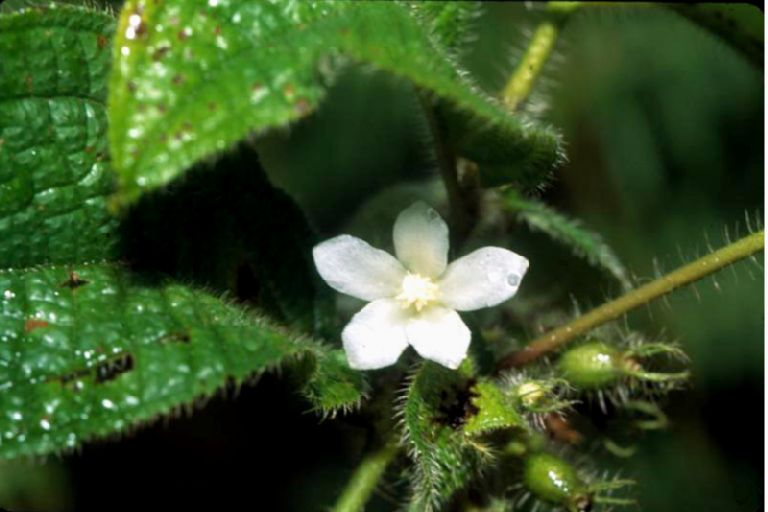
531,393
552,479
592,365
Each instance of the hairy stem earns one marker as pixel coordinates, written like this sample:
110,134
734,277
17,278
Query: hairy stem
364,480
689,273
520,84
460,216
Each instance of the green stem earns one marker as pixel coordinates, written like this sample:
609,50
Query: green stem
689,273
461,218
539,49
364,479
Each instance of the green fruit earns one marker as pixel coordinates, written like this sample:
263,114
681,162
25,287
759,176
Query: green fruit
552,479
592,365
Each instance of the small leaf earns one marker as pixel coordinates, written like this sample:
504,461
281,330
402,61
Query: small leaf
334,387
191,81
54,164
435,408
569,232
494,410
88,350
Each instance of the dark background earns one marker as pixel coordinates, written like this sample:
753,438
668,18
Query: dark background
664,130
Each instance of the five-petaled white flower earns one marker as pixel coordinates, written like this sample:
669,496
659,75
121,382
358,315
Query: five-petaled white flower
414,301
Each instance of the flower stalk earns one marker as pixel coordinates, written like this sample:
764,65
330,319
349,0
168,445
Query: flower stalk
520,84
612,310
365,479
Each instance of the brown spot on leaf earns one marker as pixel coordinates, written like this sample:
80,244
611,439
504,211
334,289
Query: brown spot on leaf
177,79
101,41
88,149
28,83
302,107
74,281
30,324
109,370
212,106
160,52
177,337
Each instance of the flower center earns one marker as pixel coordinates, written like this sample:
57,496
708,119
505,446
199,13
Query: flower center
417,291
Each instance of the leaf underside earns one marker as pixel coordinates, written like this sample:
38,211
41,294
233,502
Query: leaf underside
569,232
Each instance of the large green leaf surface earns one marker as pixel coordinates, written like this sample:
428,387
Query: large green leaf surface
86,350
96,332
54,164
191,80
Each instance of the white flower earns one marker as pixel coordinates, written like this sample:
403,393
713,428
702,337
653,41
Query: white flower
414,301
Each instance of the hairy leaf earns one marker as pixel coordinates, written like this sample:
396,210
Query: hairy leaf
507,148
334,387
569,232
450,22
190,81
492,409
54,164
86,350
435,408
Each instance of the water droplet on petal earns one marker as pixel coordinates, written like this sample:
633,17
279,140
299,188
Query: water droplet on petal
513,279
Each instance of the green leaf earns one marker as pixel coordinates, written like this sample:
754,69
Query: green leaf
493,410
449,22
189,81
569,232
88,349
333,387
740,25
54,164
435,408
508,149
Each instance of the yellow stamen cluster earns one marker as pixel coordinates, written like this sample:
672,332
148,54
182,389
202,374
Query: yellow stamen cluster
417,291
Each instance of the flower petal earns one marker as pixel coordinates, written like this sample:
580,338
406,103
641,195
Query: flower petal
353,267
375,337
421,240
481,279
438,334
